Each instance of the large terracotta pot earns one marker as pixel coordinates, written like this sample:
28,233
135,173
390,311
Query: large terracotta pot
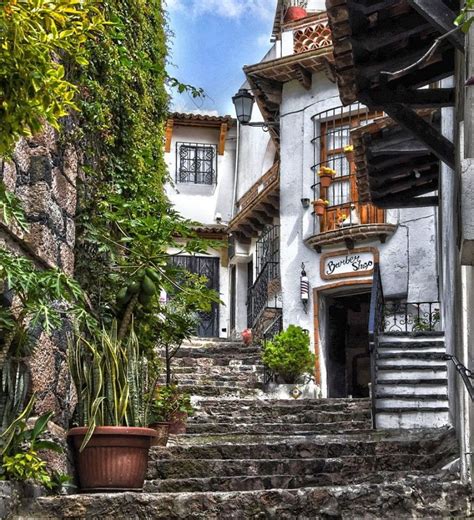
162,433
178,423
295,13
114,459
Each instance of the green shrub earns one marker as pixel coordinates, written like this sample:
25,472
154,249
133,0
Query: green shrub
288,354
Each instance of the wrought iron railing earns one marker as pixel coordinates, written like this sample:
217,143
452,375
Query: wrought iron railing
264,292
411,316
467,375
267,249
376,326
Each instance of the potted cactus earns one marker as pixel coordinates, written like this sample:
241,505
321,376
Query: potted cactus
295,10
320,206
112,381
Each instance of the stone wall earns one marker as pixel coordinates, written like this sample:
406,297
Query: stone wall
43,173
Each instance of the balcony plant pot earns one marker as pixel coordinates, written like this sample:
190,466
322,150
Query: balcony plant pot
294,13
163,431
178,423
319,207
115,458
325,180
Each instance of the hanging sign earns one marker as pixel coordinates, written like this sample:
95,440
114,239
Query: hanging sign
349,263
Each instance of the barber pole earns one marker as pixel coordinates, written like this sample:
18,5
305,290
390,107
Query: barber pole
304,288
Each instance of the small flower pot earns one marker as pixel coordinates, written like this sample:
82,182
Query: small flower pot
325,180
350,156
294,13
178,423
114,460
163,432
319,207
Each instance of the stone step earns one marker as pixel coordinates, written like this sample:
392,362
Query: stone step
224,390
397,418
205,428
421,346
412,387
261,482
247,382
347,467
410,497
414,402
211,352
417,442
411,368
283,405
307,416
216,361
218,370
414,356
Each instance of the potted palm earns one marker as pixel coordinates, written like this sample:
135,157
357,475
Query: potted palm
295,10
112,381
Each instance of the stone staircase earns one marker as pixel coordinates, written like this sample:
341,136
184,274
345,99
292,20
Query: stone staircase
247,457
411,381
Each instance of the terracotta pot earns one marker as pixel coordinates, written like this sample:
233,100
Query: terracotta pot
295,13
319,208
325,180
350,156
114,459
178,423
163,431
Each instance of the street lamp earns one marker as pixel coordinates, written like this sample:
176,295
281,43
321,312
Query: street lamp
243,103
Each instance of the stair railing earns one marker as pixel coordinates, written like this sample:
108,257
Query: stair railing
466,375
376,327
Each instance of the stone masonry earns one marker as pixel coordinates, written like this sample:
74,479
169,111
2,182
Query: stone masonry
43,174
248,457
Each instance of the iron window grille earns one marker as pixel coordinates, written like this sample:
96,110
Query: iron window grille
196,163
268,251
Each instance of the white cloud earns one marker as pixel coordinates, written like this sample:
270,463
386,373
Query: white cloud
264,9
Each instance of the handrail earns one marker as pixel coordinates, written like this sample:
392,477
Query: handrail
375,329
465,373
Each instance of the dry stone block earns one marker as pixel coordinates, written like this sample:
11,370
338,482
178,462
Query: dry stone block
64,191
66,259
43,242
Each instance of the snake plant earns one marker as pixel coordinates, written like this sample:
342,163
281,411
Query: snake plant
112,380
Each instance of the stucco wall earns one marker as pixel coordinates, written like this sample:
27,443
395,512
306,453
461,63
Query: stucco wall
201,202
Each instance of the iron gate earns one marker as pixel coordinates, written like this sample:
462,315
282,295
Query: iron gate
209,267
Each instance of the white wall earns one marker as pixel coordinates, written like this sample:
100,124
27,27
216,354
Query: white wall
201,202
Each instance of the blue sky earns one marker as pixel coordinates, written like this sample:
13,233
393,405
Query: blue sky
212,40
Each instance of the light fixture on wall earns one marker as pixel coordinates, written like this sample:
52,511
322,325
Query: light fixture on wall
304,288
243,103
305,203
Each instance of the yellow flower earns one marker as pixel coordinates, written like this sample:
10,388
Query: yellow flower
324,170
349,148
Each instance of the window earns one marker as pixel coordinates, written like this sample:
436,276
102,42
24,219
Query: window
332,139
196,163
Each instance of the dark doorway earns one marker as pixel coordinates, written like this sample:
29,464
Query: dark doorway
207,266
348,358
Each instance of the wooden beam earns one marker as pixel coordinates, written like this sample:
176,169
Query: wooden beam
424,131
403,202
440,16
255,223
263,216
168,135
304,77
423,98
406,194
243,239
222,137
404,184
397,145
270,209
247,231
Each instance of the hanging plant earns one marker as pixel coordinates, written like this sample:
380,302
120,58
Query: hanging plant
320,206
326,176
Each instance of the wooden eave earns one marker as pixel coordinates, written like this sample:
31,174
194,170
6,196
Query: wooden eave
266,80
372,38
393,168
258,207
220,123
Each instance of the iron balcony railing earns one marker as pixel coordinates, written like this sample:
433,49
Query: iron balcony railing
264,293
411,316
